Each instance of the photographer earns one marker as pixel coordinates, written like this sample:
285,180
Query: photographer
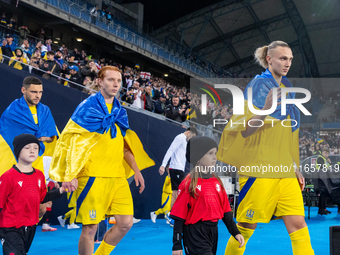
175,112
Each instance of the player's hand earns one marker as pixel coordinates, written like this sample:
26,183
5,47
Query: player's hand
56,185
139,180
179,252
161,170
240,239
301,180
70,186
269,99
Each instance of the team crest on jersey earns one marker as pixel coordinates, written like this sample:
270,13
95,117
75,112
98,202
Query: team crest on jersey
0,182
250,214
218,187
20,183
198,187
39,183
179,191
93,214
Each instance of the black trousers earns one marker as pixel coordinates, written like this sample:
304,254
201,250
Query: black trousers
17,240
200,238
93,20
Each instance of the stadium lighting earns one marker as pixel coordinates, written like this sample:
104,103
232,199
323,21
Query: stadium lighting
79,39
166,75
55,42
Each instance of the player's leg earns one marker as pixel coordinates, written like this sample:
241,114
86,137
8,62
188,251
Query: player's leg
115,234
299,235
45,220
86,240
121,208
290,206
42,210
174,197
246,231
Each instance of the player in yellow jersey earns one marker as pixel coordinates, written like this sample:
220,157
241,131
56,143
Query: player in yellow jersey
96,153
27,115
166,199
266,194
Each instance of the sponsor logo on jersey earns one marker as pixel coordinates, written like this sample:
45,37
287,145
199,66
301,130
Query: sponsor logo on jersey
198,187
20,183
218,188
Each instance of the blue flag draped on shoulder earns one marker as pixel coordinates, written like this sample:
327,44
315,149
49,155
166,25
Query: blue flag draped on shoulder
17,119
92,114
90,121
261,85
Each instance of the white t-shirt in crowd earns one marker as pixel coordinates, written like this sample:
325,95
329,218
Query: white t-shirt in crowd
138,100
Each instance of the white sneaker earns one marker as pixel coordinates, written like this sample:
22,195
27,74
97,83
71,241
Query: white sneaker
61,221
135,220
72,226
47,228
153,217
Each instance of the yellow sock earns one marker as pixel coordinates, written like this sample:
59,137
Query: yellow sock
104,249
73,216
233,245
68,214
301,242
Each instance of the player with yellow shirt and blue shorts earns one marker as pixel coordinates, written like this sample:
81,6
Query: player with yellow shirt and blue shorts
264,151
96,153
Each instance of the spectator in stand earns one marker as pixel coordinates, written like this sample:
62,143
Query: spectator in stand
38,47
51,67
94,15
34,63
129,82
15,60
160,105
137,93
76,54
175,112
4,20
128,97
74,77
88,85
11,26
10,43
41,34
64,71
89,70
48,44
59,58
109,18
23,32
83,55
148,99
25,48
71,61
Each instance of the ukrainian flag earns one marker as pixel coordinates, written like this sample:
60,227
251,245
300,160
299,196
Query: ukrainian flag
17,119
88,123
272,144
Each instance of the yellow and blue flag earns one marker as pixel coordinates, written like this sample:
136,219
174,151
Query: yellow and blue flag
84,131
273,144
17,119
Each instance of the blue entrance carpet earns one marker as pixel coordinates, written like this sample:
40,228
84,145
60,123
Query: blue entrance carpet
146,237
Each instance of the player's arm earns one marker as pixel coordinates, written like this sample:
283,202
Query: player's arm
130,159
268,104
